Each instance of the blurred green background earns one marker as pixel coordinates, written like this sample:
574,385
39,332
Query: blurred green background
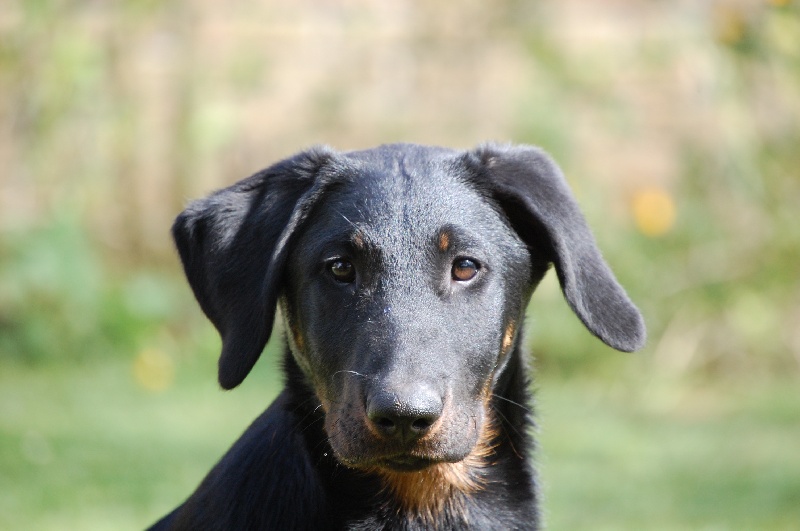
677,124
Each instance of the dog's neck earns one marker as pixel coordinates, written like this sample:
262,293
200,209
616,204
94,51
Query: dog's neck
449,489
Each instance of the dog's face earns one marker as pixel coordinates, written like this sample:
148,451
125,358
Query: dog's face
405,290
403,272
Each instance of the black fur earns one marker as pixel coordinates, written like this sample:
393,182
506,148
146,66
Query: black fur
406,399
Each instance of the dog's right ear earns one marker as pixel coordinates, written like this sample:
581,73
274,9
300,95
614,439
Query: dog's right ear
233,246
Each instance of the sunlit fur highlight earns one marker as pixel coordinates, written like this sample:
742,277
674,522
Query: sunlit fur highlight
358,241
508,337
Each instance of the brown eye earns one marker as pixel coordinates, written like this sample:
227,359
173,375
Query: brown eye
464,269
343,271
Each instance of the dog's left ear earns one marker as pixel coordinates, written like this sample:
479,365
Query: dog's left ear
532,190
233,245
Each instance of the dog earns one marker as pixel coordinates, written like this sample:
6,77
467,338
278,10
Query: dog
402,274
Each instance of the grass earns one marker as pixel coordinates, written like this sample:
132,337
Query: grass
670,456
86,447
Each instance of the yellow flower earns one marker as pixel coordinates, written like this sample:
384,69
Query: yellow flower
653,211
730,24
153,369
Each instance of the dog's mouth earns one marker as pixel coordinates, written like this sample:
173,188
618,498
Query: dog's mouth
405,463
402,461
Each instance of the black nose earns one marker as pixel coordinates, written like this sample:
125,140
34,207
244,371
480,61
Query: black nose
405,416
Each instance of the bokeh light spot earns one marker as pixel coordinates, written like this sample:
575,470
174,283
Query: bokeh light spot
153,369
653,211
730,24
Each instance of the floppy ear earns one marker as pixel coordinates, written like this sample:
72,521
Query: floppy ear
233,247
535,195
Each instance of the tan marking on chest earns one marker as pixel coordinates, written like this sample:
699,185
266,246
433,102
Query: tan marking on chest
444,486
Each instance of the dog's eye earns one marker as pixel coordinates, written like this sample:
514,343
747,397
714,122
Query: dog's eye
464,269
343,271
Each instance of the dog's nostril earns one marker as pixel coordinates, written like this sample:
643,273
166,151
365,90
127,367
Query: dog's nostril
403,426
421,424
384,423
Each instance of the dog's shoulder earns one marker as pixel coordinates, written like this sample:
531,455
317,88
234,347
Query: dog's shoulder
262,482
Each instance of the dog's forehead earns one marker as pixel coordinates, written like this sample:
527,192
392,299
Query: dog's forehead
391,156
407,189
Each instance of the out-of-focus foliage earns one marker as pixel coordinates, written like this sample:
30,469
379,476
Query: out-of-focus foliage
60,301
677,124
709,243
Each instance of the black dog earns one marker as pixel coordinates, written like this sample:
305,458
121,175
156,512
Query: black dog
402,273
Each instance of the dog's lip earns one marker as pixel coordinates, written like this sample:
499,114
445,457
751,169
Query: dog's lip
406,463
400,462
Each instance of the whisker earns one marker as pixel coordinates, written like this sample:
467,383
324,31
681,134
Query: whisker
309,424
507,422
347,220
512,402
303,403
351,372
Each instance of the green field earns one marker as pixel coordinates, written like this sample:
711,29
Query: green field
86,447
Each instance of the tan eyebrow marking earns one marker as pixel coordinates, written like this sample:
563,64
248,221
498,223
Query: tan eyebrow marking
444,241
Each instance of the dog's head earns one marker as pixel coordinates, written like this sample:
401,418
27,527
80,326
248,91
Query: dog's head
403,273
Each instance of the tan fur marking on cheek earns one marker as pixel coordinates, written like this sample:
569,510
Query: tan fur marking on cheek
299,343
444,241
508,337
445,485
299,340
324,404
